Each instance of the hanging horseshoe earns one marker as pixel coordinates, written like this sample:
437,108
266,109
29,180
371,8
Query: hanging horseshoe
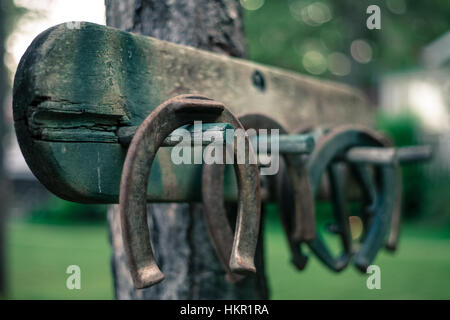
330,149
336,190
394,233
167,117
370,193
296,202
303,214
395,157
285,198
289,195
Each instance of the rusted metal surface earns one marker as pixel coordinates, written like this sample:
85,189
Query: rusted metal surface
217,223
394,231
215,213
299,179
287,194
285,198
385,156
298,218
169,116
405,155
305,228
328,150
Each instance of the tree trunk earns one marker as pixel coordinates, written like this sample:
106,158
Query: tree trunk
180,239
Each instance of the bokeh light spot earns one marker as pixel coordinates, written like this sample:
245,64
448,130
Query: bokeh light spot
319,13
314,14
339,64
361,51
252,4
396,6
314,62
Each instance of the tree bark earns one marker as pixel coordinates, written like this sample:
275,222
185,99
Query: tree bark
180,239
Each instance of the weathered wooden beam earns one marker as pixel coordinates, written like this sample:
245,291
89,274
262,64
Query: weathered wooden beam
75,89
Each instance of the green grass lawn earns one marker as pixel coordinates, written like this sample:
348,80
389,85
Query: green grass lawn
38,256
420,269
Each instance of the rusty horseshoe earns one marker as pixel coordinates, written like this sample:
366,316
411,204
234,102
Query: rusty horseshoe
167,117
329,149
215,213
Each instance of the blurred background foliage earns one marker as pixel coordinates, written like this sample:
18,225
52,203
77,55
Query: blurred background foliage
329,39
403,129
58,211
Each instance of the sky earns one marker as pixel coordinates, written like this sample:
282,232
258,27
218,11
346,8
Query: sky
51,13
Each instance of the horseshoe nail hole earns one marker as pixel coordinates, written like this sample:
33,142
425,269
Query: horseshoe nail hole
258,80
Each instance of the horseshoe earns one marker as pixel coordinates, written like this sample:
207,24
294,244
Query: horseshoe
295,201
167,117
394,233
219,228
370,195
330,148
287,197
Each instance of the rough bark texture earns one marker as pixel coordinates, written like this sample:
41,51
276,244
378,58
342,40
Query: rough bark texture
214,25
181,243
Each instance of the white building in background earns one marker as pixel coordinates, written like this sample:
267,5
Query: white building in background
426,93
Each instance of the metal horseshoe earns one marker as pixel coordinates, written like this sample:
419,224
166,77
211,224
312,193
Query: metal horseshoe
370,194
167,117
329,149
296,206
218,225
394,232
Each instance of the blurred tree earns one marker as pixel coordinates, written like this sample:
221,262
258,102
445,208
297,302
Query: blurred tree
330,39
